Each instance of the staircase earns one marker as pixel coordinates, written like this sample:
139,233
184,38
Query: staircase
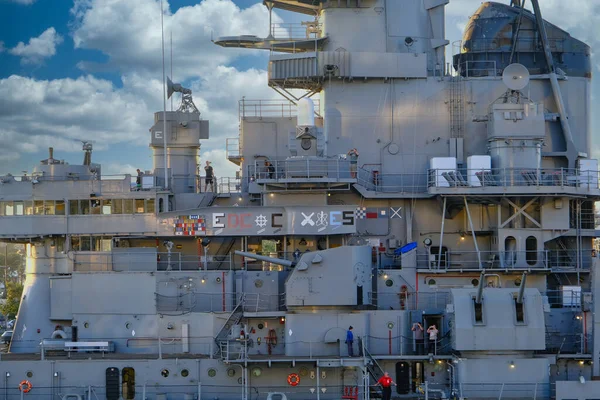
375,372
221,255
222,338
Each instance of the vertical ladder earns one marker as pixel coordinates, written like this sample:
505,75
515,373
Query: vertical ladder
456,107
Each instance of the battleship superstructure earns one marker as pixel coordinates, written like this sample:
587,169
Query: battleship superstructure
454,193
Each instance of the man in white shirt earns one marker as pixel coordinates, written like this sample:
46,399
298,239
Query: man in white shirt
433,332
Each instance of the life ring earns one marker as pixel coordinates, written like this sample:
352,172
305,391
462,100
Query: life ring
25,386
59,334
293,379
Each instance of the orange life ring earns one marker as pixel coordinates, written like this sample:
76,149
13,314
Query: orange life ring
25,386
293,379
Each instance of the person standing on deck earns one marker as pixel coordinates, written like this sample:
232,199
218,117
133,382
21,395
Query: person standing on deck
350,341
386,383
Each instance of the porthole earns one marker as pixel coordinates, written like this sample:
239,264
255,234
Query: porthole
475,282
212,372
165,373
258,283
86,325
389,283
261,325
29,374
127,325
240,380
185,373
218,279
303,371
256,371
518,282
231,372
431,282
390,325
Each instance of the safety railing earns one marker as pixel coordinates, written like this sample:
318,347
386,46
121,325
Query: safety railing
410,301
405,345
513,177
372,179
506,44
568,343
232,148
478,68
302,169
297,31
488,260
483,390
148,261
270,108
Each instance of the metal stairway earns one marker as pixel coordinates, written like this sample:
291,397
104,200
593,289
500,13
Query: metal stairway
375,372
233,319
223,251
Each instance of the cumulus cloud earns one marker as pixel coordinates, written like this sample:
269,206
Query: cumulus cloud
39,48
129,33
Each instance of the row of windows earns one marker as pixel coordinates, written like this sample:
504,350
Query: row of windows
91,243
77,207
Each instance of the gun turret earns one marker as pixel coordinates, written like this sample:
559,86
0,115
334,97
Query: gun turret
277,261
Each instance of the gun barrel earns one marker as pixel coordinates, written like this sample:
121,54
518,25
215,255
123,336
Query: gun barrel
480,288
278,261
522,288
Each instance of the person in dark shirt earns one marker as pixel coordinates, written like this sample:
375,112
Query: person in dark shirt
209,176
386,383
350,341
270,169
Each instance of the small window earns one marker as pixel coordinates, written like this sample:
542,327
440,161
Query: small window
106,207
19,208
431,282
212,372
475,282
59,207
49,207
165,373
95,207
29,374
28,207
38,207
128,206
139,206
150,206
86,243
73,207
185,373
84,206
9,208
117,206
389,283
75,243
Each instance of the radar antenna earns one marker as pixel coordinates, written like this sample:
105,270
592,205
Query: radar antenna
187,103
87,148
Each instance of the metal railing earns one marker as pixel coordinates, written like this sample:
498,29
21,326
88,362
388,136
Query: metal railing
233,148
270,108
542,259
148,261
410,301
372,179
513,177
333,169
506,44
297,31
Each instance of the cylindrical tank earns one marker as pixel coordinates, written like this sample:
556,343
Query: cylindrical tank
306,112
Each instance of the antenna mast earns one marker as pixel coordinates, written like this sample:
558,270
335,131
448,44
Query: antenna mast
162,28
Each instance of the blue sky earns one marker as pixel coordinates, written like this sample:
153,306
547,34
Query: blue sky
90,69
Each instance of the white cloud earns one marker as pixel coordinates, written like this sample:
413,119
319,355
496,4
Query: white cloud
129,32
38,48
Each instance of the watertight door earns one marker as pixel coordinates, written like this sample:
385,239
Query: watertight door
403,377
112,384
